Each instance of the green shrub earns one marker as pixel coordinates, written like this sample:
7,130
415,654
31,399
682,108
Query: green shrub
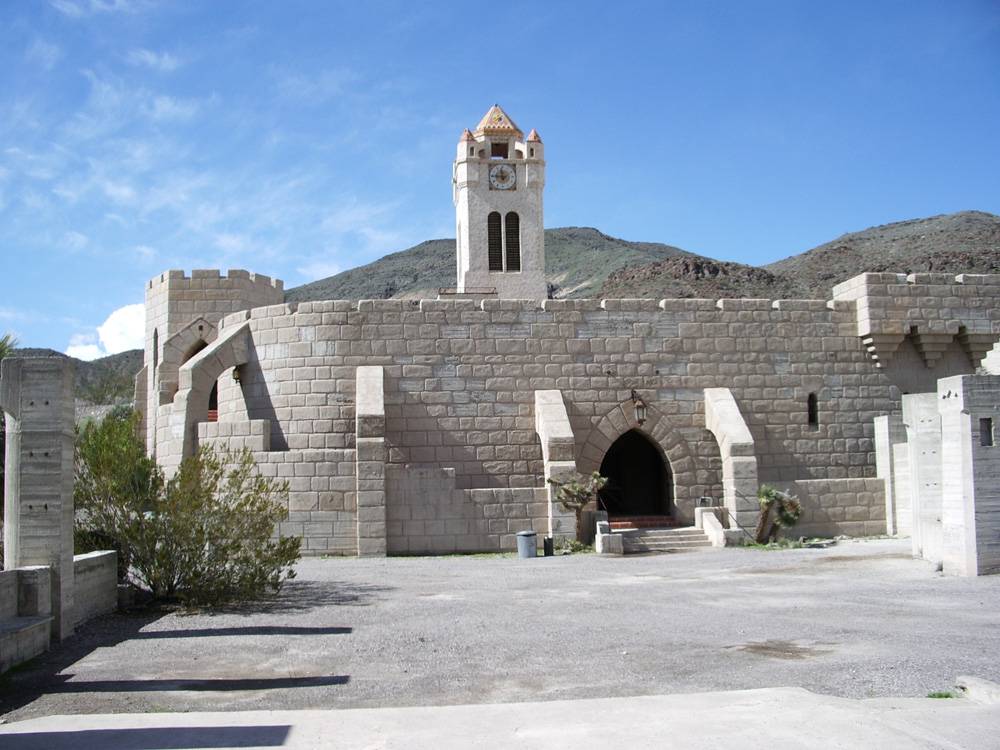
205,536
578,493
778,510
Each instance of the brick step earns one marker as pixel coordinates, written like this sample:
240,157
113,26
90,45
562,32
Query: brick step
678,533
641,522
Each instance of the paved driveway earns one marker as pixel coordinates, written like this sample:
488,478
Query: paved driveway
860,619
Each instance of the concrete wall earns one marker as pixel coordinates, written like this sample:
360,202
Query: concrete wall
96,581
25,614
427,514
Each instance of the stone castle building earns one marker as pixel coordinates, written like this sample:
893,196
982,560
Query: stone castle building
426,426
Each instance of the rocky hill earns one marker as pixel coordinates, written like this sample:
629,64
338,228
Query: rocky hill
108,380
584,262
952,243
578,260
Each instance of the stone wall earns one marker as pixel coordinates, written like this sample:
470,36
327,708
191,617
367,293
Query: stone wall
830,507
96,584
460,379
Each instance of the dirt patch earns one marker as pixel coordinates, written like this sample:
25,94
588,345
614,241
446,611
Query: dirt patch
858,558
783,650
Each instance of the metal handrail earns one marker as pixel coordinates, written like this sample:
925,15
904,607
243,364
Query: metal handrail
732,518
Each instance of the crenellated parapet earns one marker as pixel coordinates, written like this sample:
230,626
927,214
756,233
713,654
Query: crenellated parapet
932,309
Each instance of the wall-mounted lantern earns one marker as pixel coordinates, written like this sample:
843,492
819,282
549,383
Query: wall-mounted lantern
236,374
640,408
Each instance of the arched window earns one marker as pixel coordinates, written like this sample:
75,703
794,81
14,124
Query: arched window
513,236
495,239
156,350
812,406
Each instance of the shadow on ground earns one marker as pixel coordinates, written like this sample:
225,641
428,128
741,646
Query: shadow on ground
153,738
47,674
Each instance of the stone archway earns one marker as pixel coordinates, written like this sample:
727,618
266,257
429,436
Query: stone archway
684,487
639,478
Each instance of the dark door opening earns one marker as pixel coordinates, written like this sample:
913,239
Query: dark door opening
639,481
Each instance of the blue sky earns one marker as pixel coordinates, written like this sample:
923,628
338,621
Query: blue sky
297,139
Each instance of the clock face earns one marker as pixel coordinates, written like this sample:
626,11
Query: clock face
503,177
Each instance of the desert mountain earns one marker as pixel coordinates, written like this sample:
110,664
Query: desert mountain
584,262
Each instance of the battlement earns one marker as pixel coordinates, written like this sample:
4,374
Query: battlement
235,278
866,283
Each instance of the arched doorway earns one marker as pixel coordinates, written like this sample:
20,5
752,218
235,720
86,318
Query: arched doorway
639,479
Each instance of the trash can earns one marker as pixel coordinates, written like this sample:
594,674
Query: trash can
549,546
526,544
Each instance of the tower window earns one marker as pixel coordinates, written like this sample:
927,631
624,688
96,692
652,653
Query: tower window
499,150
812,406
531,152
472,151
513,236
495,241
156,350
986,432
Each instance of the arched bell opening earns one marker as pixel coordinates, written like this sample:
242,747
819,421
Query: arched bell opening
640,482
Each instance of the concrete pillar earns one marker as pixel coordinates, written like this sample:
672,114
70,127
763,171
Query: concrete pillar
970,493
36,395
923,438
890,434
558,449
370,459
739,455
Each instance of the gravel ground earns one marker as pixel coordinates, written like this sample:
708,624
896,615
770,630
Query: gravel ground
860,619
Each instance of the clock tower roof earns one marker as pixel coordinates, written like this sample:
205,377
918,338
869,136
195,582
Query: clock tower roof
497,122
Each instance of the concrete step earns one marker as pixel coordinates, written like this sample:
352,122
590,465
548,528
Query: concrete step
663,540
663,546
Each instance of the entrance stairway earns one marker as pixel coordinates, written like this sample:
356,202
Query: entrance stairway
639,540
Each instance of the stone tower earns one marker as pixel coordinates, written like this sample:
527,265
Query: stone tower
182,313
498,181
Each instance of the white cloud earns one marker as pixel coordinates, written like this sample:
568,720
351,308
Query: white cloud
7,313
82,346
161,61
119,192
75,240
318,269
43,53
145,252
316,89
124,329
170,108
81,8
230,243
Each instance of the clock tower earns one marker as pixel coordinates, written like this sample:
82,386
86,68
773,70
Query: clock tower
498,180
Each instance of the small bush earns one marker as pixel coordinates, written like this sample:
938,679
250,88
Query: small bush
204,537
578,493
941,694
778,510
572,546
